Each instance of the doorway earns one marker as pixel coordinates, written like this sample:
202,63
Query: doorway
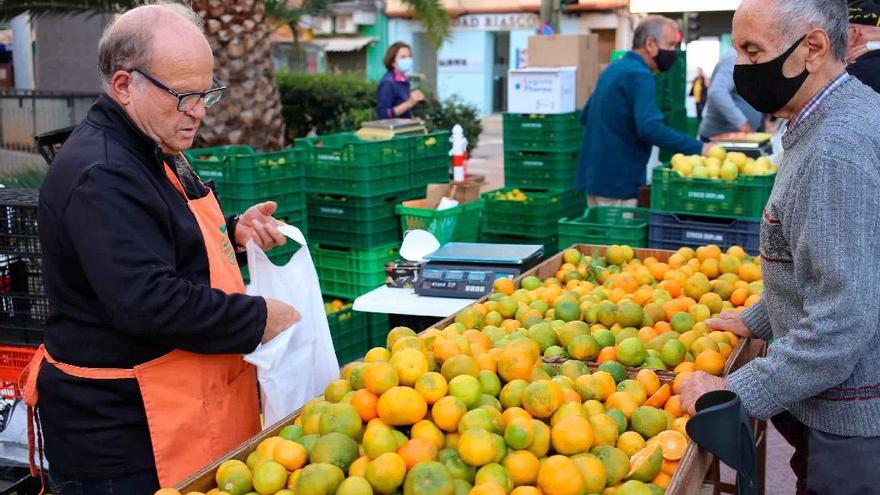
500,65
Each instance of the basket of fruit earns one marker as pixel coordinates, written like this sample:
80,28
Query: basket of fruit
723,185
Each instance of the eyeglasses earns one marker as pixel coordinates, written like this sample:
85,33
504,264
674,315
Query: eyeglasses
188,101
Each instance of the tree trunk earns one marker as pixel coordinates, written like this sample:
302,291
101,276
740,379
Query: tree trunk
250,111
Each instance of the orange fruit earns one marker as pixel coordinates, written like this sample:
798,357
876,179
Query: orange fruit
386,473
488,488
542,398
445,349
447,412
432,387
515,413
662,327
572,435
504,285
523,467
662,480
401,406
649,379
708,252
659,398
417,450
669,467
167,491
428,431
541,444
290,454
477,447
673,444
685,366
365,402
647,333
607,354
380,377
269,477
559,475
377,355
711,362
623,401
266,448
739,296
515,363
607,381
487,362
569,395
359,466
673,406
409,364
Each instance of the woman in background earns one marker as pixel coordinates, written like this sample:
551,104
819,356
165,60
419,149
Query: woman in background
395,98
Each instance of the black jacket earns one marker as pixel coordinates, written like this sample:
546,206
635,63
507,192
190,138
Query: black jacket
867,69
126,274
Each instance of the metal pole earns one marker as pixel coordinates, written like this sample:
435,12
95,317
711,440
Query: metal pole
550,13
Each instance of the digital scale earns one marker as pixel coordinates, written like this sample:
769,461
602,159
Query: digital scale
753,145
468,270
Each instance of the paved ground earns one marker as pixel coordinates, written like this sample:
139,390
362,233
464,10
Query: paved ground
488,160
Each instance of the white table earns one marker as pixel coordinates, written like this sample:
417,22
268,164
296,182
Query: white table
407,302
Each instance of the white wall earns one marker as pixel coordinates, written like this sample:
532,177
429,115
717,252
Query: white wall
472,83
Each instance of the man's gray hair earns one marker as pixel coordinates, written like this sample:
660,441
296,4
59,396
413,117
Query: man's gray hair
651,27
797,17
123,48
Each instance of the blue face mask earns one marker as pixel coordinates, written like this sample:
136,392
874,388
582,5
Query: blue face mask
405,65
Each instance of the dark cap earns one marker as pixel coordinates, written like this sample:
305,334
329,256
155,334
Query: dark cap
865,12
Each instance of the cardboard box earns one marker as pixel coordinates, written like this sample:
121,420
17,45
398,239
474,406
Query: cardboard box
545,90
467,192
571,50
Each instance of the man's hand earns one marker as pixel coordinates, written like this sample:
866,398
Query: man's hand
417,96
697,384
279,317
729,321
258,224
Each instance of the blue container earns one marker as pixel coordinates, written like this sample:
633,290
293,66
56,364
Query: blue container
673,231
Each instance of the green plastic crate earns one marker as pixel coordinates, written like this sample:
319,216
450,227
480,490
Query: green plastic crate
378,325
459,224
344,164
290,201
359,223
258,190
554,123
537,214
606,225
523,132
350,273
350,334
744,198
540,169
243,166
429,170
434,144
550,243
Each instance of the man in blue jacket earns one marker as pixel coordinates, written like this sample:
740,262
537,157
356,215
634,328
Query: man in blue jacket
622,122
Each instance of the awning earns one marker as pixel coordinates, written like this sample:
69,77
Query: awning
658,6
343,44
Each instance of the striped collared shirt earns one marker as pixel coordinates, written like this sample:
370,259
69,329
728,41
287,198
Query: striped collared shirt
820,96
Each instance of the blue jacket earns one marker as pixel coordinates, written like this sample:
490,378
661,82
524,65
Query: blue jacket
621,124
394,89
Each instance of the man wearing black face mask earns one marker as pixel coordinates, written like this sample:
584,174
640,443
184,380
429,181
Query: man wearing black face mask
863,54
820,248
622,122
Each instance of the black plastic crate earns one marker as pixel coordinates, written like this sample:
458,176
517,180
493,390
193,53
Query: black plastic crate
672,231
23,303
19,233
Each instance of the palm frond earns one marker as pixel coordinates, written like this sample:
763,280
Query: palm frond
432,15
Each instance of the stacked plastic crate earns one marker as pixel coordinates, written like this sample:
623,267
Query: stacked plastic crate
243,177
23,303
540,164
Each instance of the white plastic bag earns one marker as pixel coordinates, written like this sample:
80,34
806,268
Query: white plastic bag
297,365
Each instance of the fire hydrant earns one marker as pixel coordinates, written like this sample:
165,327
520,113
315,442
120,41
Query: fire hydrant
458,154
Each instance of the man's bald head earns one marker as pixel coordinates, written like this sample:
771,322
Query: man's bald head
145,33
780,23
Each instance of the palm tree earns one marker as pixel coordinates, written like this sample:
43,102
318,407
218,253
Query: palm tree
239,33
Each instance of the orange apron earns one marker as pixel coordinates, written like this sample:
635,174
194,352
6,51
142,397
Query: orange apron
198,406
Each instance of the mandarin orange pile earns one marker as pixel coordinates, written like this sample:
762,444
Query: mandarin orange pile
618,308
472,409
422,418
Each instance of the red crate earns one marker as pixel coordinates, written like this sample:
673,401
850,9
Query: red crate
13,360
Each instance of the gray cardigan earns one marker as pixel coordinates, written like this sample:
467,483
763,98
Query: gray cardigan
820,254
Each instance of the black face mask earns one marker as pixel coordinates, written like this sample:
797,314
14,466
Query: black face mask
665,59
764,86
